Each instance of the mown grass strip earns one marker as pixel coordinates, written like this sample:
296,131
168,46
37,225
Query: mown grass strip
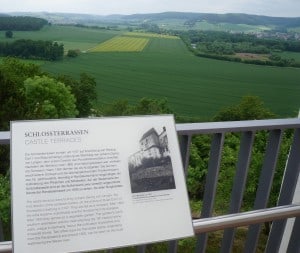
122,44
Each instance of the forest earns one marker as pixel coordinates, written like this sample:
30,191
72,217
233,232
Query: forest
21,23
30,49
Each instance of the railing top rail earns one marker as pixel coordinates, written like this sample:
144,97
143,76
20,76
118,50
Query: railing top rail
4,137
215,127
236,126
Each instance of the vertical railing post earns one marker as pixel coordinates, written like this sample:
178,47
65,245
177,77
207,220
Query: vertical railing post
286,193
185,143
294,243
238,186
211,185
141,249
1,232
173,245
264,186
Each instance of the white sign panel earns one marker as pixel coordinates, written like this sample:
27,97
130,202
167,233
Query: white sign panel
87,184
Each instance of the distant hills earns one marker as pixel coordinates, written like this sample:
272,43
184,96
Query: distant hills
184,17
231,18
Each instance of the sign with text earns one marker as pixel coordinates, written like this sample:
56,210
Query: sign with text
88,184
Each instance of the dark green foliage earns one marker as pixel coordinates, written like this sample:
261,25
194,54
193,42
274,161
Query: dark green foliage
249,108
4,158
30,49
20,103
85,94
47,98
152,106
4,198
21,23
72,53
117,108
5,210
14,96
227,172
84,91
13,73
199,154
9,34
145,106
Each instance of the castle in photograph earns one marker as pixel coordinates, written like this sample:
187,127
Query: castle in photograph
152,145
150,168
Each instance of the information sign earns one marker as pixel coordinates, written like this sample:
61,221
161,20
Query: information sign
98,183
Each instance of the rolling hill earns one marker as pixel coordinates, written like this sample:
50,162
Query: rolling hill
166,17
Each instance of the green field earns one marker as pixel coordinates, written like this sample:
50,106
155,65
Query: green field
194,86
295,29
290,55
72,37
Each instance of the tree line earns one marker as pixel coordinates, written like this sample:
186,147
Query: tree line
225,46
21,23
30,49
239,41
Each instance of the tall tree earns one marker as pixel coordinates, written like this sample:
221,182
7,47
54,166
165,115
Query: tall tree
250,107
84,91
145,106
13,102
9,34
48,98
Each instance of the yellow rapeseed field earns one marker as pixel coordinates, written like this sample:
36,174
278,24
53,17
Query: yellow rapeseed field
121,44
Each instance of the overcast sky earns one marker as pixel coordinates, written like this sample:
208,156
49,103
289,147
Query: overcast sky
281,8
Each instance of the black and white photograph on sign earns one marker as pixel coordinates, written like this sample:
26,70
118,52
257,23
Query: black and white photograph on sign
150,167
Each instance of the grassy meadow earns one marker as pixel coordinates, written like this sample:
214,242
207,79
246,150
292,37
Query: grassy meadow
290,55
72,37
164,67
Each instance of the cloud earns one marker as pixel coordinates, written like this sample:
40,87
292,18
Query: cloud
263,7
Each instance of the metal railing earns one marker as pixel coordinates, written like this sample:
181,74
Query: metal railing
235,218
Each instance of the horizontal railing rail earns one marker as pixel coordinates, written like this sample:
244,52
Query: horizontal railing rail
236,126
6,247
236,218
245,218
